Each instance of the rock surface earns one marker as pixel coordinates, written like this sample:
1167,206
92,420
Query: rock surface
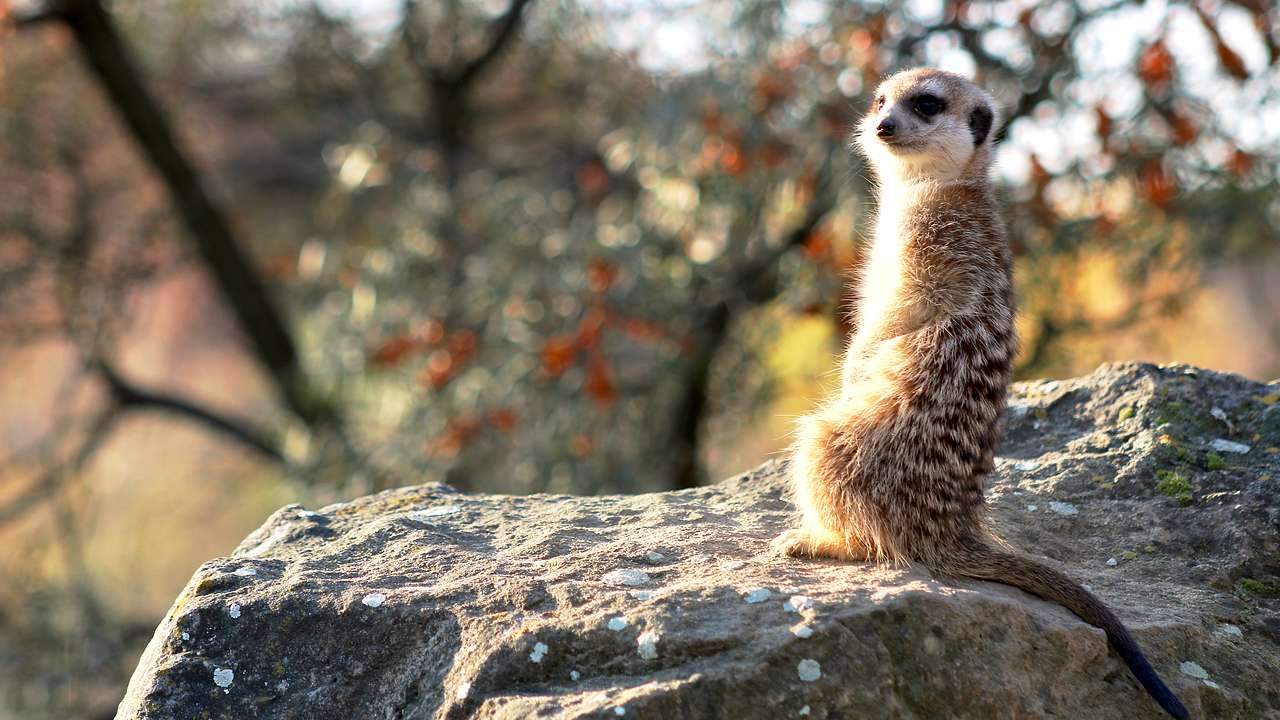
426,603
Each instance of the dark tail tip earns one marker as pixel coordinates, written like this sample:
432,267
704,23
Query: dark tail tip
1141,669
976,559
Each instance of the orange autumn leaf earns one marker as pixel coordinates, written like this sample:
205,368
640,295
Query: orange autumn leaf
643,330
1158,186
600,275
592,178
503,419
1040,178
1155,65
590,327
1230,60
1239,162
599,384
392,351
462,343
558,355
733,160
458,433
1184,131
1104,123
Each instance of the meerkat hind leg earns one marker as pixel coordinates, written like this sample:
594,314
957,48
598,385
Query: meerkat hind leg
802,542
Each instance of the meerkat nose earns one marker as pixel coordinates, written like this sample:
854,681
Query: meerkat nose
885,128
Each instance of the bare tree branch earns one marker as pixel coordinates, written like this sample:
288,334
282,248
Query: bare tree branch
505,31
447,89
126,396
109,58
130,396
415,44
687,420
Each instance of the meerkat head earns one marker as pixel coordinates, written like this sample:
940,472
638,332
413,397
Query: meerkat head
926,124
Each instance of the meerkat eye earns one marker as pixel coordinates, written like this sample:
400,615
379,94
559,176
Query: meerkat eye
880,103
929,105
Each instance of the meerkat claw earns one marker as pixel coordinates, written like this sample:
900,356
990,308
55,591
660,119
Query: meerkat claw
792,543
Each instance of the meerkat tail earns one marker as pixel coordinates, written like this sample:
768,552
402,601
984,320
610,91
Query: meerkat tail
983,562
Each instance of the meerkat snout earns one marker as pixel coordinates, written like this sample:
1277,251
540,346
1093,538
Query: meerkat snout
928,125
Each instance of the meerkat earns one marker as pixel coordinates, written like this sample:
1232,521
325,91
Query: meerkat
891,469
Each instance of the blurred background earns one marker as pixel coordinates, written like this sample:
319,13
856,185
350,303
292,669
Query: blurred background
255,252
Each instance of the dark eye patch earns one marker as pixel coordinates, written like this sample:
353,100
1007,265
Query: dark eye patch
880,103
928,105
980,123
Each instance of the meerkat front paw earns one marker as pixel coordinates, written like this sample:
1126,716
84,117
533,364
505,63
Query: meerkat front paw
791,543
801,544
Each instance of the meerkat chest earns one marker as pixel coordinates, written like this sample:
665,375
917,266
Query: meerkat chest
881,280
882,277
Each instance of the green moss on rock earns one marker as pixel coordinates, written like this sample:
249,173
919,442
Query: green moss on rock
1260,588
1214,462
1174,485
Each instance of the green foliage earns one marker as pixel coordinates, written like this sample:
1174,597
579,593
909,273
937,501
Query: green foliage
1214,461
1174,485
1259,588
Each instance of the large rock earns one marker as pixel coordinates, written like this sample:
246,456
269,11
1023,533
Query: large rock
1157,487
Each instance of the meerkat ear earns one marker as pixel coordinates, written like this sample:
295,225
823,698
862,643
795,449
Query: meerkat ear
980,123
